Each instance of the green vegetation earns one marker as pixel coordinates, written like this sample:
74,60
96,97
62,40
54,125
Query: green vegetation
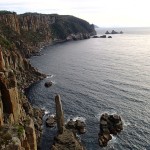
66,25
20,130
4,12
5,137
5,43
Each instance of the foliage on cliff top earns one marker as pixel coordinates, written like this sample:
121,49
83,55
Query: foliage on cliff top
65,25
4,12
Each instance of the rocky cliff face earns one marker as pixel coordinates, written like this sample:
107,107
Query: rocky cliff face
16,114
20,37
30,31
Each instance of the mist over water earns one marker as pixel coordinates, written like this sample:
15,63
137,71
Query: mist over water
95,76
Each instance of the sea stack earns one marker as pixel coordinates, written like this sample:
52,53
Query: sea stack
65,139
59,114
109,124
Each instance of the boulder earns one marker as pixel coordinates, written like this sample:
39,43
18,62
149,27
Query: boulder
103,36
76,126
48,84
50,121
71,124
95,36
109,36
80,126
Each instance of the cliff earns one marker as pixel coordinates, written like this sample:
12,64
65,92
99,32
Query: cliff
30,31
20,37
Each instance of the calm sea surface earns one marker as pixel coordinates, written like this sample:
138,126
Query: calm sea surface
95,76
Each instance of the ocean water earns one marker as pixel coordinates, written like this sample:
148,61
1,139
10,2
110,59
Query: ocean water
95,76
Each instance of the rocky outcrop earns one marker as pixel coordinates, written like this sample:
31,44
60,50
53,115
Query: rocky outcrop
51,121
10,19
66,139
109,124
76,126
107,32
113,32
30,134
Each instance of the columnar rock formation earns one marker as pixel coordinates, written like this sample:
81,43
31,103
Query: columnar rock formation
59,114
13,113
66,139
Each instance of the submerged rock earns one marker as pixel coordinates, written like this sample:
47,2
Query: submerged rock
95,36
48,84
109,124
103,36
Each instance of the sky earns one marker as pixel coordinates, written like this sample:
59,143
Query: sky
103,13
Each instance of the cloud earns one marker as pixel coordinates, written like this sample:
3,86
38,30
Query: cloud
107,12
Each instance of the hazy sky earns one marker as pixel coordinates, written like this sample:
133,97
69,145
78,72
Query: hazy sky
103,13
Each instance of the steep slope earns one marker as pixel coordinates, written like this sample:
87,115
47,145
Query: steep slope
20,37
30,31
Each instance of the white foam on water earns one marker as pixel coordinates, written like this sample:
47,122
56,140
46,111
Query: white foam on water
79,118
50,76
46,112
76,118
53,115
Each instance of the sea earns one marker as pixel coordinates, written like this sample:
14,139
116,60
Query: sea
95,76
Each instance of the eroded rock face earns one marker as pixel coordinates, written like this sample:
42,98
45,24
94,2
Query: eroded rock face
30,133
109,124
14,106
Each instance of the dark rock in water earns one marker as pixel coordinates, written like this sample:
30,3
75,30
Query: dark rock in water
51,121
103,36
109,124
95,36
80,126
76,126
109,36
48,84
114,32
107,32
121,32
71,124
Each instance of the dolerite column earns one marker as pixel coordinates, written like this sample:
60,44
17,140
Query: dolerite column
59,114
